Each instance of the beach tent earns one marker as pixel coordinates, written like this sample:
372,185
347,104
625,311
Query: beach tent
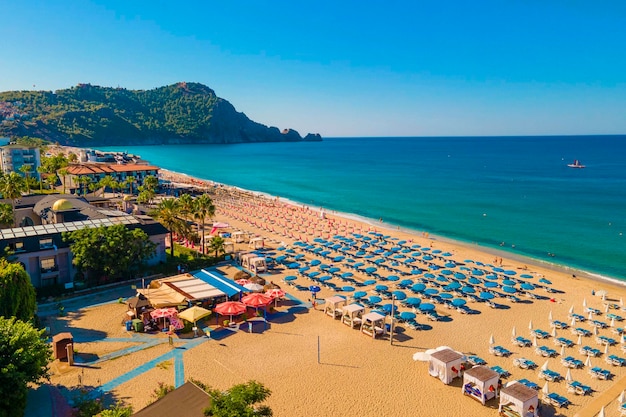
334,306
445,364
256,243
518,400
253,262
239,237
373,324
352,315
481,383
163,296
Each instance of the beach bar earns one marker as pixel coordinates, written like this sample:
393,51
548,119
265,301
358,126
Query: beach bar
445,364
373,324
481,383
334,306
352,315
517,400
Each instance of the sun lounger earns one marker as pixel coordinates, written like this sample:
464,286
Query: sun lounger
521,341
499,351
571,362
581,332
559,324
578,388
600,373
503,372
549,375
593,311
603,340
529,384
615,360
524,363
556,400
561,341
475,360
589,351
546,352
618,330
599,324
578,317
540,334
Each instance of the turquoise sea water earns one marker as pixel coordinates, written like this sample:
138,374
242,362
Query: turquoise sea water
487,190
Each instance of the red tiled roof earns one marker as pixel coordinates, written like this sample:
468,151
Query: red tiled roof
90,169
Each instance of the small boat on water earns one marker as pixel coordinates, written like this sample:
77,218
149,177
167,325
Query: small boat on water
576,164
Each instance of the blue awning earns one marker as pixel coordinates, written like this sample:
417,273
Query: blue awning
219,281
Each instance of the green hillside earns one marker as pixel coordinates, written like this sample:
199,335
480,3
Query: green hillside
88,115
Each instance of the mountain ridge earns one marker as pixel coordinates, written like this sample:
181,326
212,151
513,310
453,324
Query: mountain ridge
88,115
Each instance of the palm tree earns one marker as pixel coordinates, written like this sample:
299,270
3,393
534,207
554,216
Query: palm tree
106,181
11,186
186,205
25,169
84,182
6,215
203,208
41,170
168,213
130,181
51,180
63,172
217,244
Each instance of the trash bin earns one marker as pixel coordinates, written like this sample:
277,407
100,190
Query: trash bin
129,325
138,325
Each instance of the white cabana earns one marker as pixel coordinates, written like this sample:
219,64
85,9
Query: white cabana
239,237
517,400
481,383
445,364
229,246
256,243
352,315
334,306
253,262
373,324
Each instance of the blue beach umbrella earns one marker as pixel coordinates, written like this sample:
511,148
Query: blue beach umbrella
446,254
474,281
445,272
393,278
304,269
459,275
418,287
496,269
426,307
313,274
441,278
293,265
374,299
477,272
347,288
527,287
381,287
453,286
399,295
291,278
431,291
427,258
324,278
359,294
347,275
407,315
315,262
370,270
446,295
509,282
425,249
333,270
387,308
406,282
509,290
545,281
314,288
429,276
338,258
492,277
358,264
527,276
458,302
468,290
369,282
412,301
486,296
510,272
491,284
415,246
324,267
416,271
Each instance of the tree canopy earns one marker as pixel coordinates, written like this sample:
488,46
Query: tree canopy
113,252
241,400
24,358
17,294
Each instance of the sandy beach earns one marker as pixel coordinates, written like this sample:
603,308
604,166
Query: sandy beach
356,375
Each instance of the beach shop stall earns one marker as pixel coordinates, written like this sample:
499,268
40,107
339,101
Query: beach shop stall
373,324
352,315
334,306
481,383
517,400
445,364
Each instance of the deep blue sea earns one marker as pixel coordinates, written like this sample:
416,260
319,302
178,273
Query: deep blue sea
484,190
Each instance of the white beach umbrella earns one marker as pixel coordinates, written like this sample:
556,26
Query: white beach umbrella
588,362
545,389
613,322
513,332
492,340
580,340
622,398
606,349
571,309
601,413
606,308
544,367
584,302
550,316
530,325
573,323
568,375
590,316
534,341
621,301
595,330
554,331
563,350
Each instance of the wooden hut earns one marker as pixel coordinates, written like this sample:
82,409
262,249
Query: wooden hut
334,306
445,364
352,315
517,400
481,383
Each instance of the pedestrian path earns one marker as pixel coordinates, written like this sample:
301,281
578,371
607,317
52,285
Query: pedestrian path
593,408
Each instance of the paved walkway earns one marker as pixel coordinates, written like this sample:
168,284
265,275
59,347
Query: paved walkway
606,397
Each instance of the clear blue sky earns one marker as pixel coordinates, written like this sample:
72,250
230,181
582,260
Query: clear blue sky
343,68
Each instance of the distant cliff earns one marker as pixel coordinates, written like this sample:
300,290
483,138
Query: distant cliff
88,115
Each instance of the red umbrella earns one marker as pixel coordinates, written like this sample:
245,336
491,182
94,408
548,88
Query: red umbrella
230,308
257,300
275,293
243,281
163,312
